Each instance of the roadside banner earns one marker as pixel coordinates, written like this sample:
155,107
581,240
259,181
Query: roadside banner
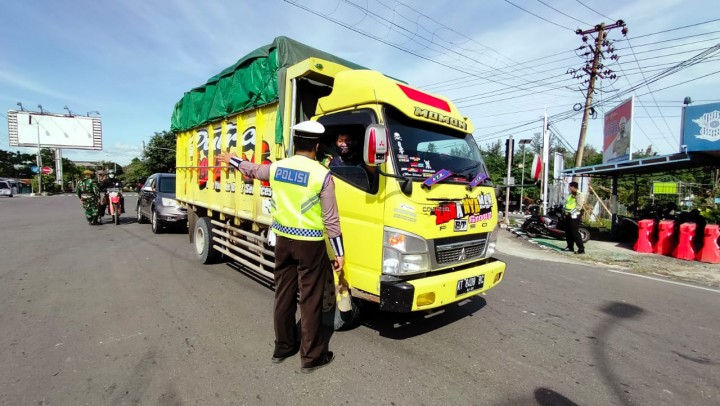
701,127
617,133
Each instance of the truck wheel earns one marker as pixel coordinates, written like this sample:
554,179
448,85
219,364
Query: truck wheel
584,234
202,241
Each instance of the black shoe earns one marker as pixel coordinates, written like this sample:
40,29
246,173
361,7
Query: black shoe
325,359
278,359
580,251
567,249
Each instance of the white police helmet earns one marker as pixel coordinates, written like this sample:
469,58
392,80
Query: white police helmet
308,129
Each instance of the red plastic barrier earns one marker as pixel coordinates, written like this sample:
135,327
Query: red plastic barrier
664,244
644,240
684,249
710,251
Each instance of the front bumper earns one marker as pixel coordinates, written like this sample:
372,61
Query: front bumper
172,215
434,291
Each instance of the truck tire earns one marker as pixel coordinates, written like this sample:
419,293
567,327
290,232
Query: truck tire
584,234
202,241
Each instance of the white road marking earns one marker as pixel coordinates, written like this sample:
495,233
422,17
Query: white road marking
664,280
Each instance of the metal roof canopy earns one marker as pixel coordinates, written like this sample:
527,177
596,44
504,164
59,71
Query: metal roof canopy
648,165
644,166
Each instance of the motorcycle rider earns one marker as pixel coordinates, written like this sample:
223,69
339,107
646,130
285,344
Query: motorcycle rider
572,211
113,182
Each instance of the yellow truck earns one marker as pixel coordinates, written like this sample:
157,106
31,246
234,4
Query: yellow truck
417,210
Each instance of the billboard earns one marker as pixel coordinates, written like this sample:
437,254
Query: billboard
28,129
701,127
617,133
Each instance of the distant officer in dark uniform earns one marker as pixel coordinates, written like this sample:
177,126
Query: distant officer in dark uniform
304,205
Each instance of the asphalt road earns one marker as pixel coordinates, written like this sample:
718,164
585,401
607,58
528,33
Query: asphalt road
112,315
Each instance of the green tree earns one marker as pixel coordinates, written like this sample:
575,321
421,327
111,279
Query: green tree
135,172
494,157
159,154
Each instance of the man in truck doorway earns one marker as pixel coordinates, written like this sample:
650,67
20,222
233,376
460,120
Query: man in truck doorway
304,205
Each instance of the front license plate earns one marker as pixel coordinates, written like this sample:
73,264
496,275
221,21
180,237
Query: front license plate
469,284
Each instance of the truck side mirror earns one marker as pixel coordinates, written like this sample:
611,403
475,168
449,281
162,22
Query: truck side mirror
375,147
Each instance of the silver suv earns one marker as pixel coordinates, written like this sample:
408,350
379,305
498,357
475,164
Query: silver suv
156,201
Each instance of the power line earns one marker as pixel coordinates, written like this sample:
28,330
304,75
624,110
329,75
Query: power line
429,41
441,85
566,15
542,18
570,113
687,63
671,39
678,28
651,94
596,12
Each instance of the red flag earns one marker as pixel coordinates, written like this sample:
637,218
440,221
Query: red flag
536,168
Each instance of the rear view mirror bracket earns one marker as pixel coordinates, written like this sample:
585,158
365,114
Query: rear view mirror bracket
405,183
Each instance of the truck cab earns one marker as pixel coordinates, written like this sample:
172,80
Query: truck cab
412,243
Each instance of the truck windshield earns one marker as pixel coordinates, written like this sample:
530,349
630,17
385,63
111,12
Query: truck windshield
420,149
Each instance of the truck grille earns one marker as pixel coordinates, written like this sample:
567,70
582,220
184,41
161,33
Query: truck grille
460,249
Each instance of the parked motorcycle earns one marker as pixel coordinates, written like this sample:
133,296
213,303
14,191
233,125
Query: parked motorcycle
114,207
551,225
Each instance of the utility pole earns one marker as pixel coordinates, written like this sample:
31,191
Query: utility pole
594,70
545,162
509,150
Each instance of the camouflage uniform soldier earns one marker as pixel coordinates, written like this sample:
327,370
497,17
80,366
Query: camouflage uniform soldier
89,193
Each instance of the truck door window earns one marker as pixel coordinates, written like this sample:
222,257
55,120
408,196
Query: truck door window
341,147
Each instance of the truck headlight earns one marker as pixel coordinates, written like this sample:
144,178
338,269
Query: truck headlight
404,253
169,202
492,242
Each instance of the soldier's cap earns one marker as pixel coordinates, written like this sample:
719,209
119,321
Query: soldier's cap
101,173
308,129
88,172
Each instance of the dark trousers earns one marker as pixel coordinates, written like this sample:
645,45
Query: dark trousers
572,233
301,266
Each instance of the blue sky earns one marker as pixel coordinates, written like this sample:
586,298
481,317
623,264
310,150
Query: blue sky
133,60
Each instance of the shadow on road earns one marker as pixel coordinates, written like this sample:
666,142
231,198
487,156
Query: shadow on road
399,326
542,397
615,311
261,280
548,397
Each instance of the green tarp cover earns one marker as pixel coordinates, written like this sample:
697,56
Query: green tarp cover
256,79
